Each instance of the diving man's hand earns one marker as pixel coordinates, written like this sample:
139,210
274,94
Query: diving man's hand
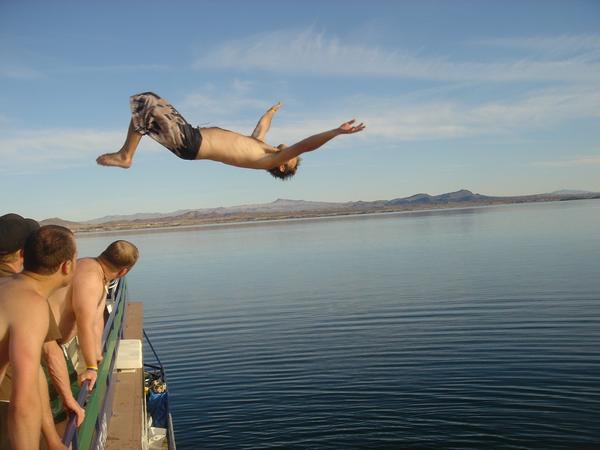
349,127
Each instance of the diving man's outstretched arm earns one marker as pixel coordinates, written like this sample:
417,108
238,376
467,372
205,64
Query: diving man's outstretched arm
314,142
264,123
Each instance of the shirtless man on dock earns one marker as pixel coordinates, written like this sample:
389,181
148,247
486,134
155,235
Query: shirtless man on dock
49,264
157,118
14,231
79,307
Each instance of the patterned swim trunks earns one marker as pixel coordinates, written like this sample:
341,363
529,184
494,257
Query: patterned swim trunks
157,118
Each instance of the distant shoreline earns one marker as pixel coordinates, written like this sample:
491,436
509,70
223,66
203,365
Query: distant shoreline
308,216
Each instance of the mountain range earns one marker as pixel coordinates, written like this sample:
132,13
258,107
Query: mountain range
288,209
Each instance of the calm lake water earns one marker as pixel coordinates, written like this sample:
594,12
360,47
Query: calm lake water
460,329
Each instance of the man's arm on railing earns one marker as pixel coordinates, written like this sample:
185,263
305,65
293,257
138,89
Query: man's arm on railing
48,429
57,368
100,329
86,292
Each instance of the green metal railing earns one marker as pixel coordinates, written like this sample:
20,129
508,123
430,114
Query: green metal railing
98,404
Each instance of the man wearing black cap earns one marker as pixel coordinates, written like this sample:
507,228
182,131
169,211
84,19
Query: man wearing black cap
14,230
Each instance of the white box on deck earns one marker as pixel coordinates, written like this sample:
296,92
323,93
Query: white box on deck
130,354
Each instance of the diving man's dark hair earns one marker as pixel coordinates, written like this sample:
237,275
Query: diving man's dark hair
287,173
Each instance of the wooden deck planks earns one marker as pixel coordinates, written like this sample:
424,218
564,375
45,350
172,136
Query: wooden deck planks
134,321
125,426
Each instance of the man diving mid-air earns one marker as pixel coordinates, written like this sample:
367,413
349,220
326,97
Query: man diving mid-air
157,118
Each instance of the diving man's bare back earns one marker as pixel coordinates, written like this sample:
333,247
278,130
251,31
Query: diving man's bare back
156,117
235,149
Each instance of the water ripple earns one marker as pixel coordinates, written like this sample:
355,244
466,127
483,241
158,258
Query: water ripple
473,330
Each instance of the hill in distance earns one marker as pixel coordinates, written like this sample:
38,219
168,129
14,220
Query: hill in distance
290,209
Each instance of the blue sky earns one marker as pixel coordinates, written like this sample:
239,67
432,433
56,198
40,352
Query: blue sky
497,97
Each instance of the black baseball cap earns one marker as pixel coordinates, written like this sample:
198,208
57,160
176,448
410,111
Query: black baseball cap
14,231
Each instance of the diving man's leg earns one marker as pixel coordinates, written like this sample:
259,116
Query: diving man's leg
123,157
265,122
157,118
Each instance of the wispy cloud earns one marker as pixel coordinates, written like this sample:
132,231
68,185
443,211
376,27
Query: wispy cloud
573,45
20,72
27,73
210,101
312,52
580,161
50,149
114,68
4,122
55,145
391,119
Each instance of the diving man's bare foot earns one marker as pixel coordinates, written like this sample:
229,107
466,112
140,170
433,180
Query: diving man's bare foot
114,159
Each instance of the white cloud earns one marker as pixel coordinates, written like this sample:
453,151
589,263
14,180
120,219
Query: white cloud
210,102
551,45
393,120
208,105
314,52
27,73
580,161
115,68
538,109
4,122
20,73
57,148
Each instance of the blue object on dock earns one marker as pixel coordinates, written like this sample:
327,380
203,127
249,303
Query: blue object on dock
158,408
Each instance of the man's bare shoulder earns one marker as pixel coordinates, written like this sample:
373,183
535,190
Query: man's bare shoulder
31,302
87,270
17,282
5,280
88,280
19,293
87,264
